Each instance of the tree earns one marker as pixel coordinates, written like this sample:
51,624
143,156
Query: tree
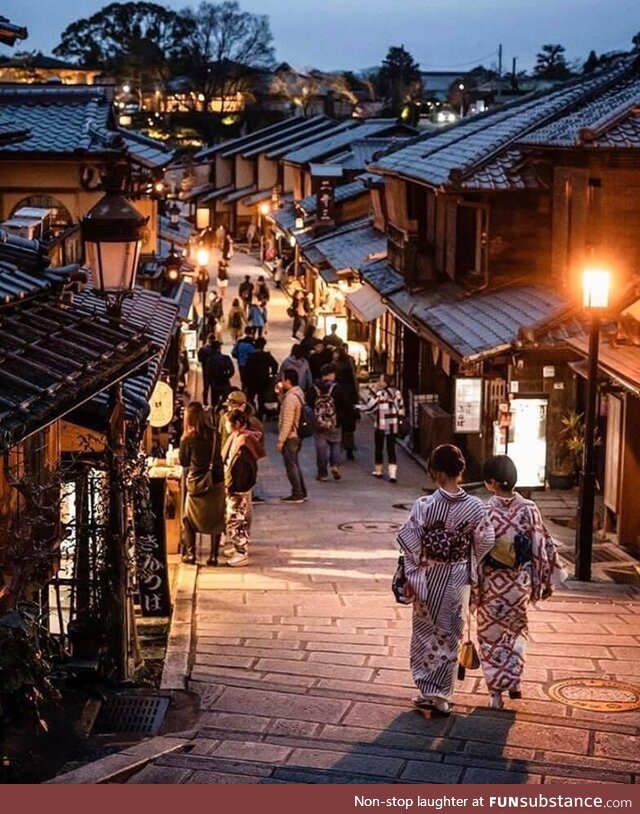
399,79
551,63
223,49
591,63
130,40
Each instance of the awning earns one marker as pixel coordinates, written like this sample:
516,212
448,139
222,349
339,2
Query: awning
621,364
366,304
258,197
232,197
216,193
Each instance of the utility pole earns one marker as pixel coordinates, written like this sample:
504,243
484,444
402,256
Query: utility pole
514,81
499,93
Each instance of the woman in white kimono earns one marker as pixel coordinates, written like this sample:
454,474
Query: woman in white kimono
521,568
443,540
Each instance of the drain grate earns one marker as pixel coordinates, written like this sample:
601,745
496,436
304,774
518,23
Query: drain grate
142,714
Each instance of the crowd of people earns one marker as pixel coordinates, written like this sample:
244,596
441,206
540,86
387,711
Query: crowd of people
458,554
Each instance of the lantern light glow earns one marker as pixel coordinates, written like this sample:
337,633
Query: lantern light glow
202,256
596,283
265,208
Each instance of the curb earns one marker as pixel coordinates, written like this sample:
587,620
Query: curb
175,672
117,766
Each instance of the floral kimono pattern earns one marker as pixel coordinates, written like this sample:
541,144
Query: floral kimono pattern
443,539
504,592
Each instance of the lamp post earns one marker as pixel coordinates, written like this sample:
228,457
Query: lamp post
112,234
595,298
263,211
173,265
174,215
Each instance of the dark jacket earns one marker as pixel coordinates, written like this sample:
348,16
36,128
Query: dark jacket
204,355
338,394
246,291
195,455
220,369
318,360
262,292
346,377
241,453
259,368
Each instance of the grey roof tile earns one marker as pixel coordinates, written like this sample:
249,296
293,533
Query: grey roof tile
333,143
351,249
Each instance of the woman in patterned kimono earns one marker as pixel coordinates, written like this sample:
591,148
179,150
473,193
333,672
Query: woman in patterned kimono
520,568
442,541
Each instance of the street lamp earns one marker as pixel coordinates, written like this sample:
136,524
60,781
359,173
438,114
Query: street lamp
202,256
595,297
263,211
203,217
112,232
173,265
174,215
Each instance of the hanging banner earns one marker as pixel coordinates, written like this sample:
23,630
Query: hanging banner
161,403
468,405
325,201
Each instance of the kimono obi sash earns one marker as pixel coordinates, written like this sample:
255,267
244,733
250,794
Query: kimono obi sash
445,545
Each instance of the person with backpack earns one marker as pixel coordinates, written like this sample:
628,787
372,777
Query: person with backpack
296,361
330,404
236,320
243,348
245,292
240,455
220,371
260,367
387,407
291,425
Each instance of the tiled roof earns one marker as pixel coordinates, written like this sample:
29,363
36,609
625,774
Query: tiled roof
382,277
361,152
609,120
309,140
482,324
239,145
344,192
454,155
147,151
60,119
237,194
334,143
307,128
621,362
179,236
351,250
312,235
54,357
509,170
9,32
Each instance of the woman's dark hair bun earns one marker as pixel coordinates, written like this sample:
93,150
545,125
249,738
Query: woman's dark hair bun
502,470
447,459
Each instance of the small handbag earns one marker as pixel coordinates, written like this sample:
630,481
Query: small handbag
468,658
203,483
402,591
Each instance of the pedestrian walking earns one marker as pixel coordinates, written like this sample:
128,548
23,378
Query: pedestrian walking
203,479
298,311
240,455
445,536
255,319
223,278
387,407
251,235
245,292
309,341
522,567
220,235
296,361
236,320
347,379
319,357
204,353
289,441
260,368
227,248
278,272
215,314
262,290
220,371
330,404
243,348
332,339
265,316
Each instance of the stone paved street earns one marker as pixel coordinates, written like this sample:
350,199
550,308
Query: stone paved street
301,659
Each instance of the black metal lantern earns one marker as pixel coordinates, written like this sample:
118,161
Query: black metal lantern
173,265
112,232
174,215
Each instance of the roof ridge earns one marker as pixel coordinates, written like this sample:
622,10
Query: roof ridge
607,79
610,120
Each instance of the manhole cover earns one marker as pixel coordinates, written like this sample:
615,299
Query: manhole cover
596,694
132,713
371,526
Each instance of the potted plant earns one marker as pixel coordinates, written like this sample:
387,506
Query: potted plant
567,452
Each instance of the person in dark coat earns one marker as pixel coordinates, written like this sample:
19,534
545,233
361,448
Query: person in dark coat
346,378
330,404
260,367
203,479
320,356
309,341
204,354
245,292
220,371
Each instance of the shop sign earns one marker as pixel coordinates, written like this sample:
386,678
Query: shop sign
468,405
161,404
151,554
325,201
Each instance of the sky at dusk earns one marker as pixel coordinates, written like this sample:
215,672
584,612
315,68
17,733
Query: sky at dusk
353,34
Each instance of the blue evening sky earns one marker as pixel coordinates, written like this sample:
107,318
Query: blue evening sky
353,34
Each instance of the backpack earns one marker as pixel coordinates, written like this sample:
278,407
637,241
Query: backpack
324,410
235,320
306,424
